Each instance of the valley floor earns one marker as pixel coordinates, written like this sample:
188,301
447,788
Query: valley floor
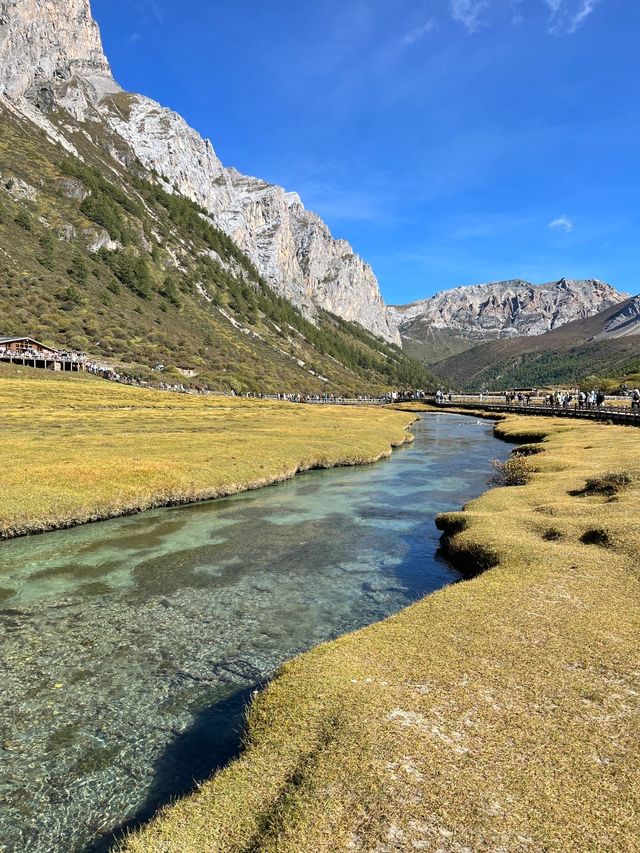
499,714
78,449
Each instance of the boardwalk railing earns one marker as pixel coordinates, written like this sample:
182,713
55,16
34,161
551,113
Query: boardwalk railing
48,360
619,413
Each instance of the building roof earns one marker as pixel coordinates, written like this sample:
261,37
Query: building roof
15,338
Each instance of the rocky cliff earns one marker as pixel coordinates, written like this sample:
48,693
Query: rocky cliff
624,323
604,344
44,43
51,57
503,309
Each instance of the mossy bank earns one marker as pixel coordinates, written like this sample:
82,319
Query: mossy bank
79,449
501,713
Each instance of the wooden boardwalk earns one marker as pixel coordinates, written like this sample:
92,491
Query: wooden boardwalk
608,412
54,362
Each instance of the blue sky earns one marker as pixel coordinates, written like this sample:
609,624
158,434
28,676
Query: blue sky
450,141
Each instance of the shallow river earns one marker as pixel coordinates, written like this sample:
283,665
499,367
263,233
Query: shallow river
129,647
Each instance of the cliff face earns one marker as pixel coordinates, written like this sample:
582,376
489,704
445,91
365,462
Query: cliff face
51,56
503,309
291,246
624,323
45,42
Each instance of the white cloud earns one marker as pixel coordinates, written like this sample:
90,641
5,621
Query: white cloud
134,38
469,12
568,15
418,33
565,16
562,222
149,10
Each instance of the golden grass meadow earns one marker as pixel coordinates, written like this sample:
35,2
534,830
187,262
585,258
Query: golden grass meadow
78,449
499,714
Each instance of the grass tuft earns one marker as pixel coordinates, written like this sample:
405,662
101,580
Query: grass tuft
514,472
610,483
596,536
552,535
528,450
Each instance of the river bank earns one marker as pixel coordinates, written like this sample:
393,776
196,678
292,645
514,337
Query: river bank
77,449
501,712
131,647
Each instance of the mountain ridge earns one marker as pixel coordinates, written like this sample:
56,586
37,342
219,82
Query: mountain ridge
511,307
605,344
52,62
54,74
98,254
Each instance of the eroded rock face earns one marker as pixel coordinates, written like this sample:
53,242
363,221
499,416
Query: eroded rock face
73,188
44,42
291,247
51,56
506,308
18,189
625,322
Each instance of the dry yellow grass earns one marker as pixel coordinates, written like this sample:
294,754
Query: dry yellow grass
500,714
76,449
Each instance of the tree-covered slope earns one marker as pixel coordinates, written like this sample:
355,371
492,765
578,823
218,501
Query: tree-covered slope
100,258
563,356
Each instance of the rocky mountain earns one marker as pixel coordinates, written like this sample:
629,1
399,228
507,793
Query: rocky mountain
122,234
54,72
604,344
453,320
623,322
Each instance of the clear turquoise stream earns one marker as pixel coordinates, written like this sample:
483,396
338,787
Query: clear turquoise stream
129,648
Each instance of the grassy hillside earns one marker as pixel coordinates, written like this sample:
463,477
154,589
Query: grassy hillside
92,449
497,714
102,259
431,345
564,356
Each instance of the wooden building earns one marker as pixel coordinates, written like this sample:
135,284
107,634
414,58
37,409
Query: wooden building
31,353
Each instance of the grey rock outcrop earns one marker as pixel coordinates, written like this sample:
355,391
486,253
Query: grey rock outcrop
504,309
291,247
51,56
45,42
624,323
18,189
73,188
98,238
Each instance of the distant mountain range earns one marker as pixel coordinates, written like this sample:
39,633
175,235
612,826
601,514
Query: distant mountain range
457,319
605,344
514,332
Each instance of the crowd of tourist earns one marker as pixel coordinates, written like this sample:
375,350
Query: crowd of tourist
578,399
594,399
33,354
